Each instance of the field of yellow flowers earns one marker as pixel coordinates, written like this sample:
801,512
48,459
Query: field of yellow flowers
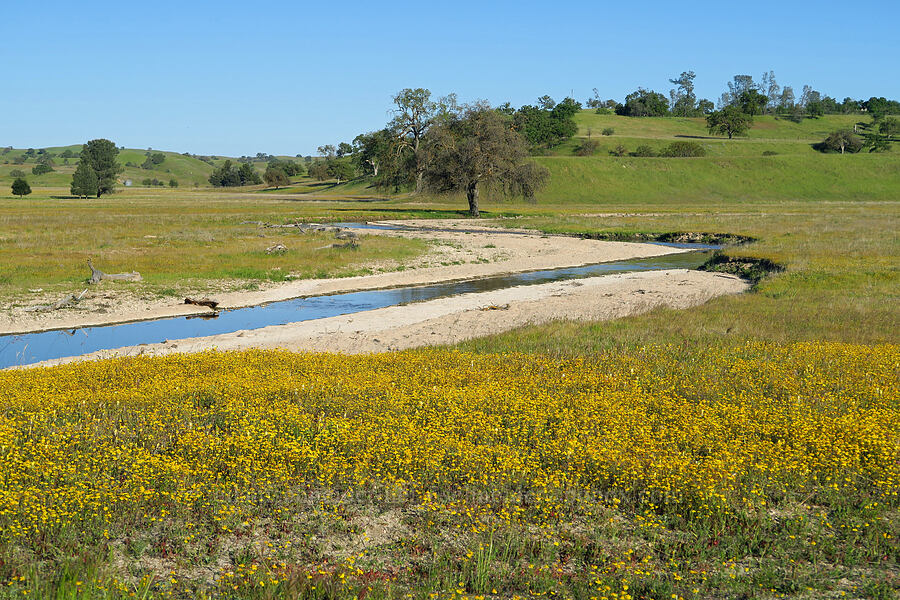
750,471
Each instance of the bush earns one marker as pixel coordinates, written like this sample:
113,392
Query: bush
173,183
683,150
17,173
41,169
619,150
587,148
769,153
644,151
608,131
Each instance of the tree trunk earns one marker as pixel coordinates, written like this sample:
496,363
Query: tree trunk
420,181
472,195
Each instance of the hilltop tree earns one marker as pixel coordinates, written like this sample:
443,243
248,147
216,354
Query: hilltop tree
683,97
100,155
644,103
21,188
769,86
478,147
84,181
729,121
752,102
544,127
275,177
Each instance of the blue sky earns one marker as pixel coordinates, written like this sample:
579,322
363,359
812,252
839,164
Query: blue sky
285,77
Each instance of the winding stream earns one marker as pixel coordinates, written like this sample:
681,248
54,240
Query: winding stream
23,349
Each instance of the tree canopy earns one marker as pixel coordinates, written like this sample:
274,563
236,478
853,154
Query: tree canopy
476,147
545,127
841,141
229,175
20,187
729,121
84,181
275,177
99,156
644,103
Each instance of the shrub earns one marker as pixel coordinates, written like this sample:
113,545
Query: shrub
769,153
643,151
17,173
683,150
587,147
41,169
608,131
619,150
173,183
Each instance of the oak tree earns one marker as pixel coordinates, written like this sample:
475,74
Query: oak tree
479,147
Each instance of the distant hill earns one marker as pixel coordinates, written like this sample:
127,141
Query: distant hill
187,170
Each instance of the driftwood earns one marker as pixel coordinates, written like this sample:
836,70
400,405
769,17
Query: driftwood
64,302
97,275
202,302
276,249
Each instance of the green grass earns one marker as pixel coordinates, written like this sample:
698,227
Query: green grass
764,127
638,181
174,241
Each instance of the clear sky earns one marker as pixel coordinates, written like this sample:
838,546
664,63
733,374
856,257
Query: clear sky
284,77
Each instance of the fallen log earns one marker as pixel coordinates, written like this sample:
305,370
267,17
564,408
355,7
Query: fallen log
202,302
64,302
97,275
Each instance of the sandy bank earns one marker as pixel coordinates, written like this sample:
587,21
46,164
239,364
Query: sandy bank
450,320
456,254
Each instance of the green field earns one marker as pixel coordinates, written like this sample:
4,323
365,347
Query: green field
801,369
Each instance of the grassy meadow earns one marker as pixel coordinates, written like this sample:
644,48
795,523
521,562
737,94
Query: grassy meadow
745,448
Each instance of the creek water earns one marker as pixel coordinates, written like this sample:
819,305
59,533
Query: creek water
23,349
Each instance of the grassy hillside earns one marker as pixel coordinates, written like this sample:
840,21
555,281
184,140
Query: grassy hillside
586,180
187,170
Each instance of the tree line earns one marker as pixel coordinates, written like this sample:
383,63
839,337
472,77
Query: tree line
752,97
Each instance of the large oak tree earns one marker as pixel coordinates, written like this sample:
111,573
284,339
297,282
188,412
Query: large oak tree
478,146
